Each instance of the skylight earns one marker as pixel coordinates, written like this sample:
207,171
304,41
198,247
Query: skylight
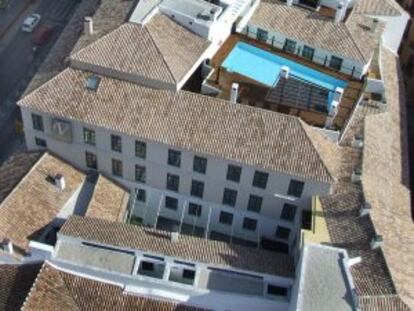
92,83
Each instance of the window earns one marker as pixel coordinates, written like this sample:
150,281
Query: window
197,188
188,274
40,142
226,218
89,136
140,149
255,203
171,203
289,46
288,212
37,122
200,165
229,197
194,209
308,52
335,63
173,182
282,232
141,195
140,173
174,158
295,188
276,290
147,266
233,173
262,35
260,179
116,143
91,160
249,224
117,167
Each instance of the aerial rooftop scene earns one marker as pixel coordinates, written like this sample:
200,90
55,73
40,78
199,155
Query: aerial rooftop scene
220,155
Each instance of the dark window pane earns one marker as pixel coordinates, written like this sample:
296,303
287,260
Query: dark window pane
335,63
140,173
117,167
226,218
197,188
255,203
171,203
89,136
37,121
141,195
308,52
173,182
194,209
229,197
288,212
262,35
140,149
91,160
290,46
116,143
249,224
260,179
147,266
200,165
277,290
174,158
233,173
40,142
282,232
188,274
296,188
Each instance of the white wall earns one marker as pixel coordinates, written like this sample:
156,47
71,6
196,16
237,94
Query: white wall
157,168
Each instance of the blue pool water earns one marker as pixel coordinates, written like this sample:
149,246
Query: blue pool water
264,67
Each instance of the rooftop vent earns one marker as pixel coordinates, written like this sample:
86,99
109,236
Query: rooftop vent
374,24
234,93
354,261
377,241
289,2
60,182
358,141
175,236
7,246
365,209
88,25
92,83
284,72
356,175
339,12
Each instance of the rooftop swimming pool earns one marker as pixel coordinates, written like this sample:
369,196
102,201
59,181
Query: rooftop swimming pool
264,67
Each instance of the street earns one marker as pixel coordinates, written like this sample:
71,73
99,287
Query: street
19,63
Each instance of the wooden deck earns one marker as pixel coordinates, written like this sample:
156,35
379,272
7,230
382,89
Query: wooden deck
252,92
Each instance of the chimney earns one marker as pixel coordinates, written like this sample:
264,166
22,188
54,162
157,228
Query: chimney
358,141
356,175
354,261
339,12
289,2
284,72
8,246
174,236
234,93
377,241
88,26
365,209
374,24
60,182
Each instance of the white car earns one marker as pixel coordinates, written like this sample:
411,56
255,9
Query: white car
31,22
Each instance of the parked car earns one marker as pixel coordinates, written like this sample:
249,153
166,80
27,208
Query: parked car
42,35
31,22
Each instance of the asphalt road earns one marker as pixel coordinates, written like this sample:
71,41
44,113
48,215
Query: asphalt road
18,63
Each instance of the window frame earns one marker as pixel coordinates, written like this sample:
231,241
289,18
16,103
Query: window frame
223,215
143,173
247,221
142,146
89,136
258,178
339,61
289,211
141,195
229,193
308,52
40,142
197,188
262,35
289,46
88,154
293,187
174,158
37,122
233,169
116,162
254,199
116,143
169,199
176,182
195,209
282,232
200,164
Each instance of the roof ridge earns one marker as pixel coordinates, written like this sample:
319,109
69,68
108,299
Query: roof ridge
352,35
146,27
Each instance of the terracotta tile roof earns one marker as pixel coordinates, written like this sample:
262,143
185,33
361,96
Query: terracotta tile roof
58,290
15,283
161,50
385,166
36,201
187,247
378,7
187,120
14,169
352,39
384,278
109,200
